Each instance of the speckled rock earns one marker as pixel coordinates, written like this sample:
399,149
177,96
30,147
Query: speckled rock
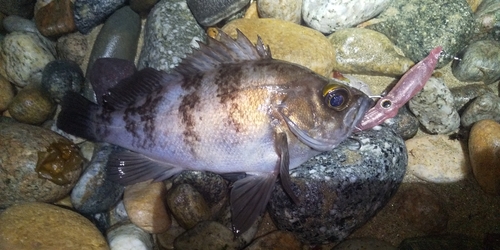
286,10
417,26
364,51
55,18
464,94
288,41
444,242
187,205
45,226
405,124
480,61
72,47
437,159
488,20
169,34
129,236
61,76
275,241
146,207
142,7
32,105
328,16
207,235
90,13
341,190
210,12
486,106
364,243
434,108
17,23
21,148
24,56
484,152
6,93
22,8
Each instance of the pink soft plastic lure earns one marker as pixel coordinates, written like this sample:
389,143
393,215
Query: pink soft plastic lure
407,87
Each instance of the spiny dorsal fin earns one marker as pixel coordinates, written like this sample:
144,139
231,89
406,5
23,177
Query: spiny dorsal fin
227,50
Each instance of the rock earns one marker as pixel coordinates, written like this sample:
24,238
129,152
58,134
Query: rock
488,20
146,208
45,226
405,124
434,108
423,209
55,18
341,190
486,106
129,236
288,10
142,7
23,8
6,93
464,94
364,243
479,62
24,57
211,12
61,76
484,152
90,13
492,241
166,240
37,164
328,16
275,241
207,235
16,23
288,41
169,34
364,51
32,105
443,242
418,26
72,47
118,214
437,159
187,205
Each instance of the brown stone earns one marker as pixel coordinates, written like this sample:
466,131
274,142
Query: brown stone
55,18
484,152
187,205
32,105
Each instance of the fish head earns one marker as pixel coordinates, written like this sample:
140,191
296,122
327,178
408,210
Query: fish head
323,115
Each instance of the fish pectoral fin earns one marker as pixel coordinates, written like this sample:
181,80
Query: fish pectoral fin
284,165
127,167
304,137
249,197
233,177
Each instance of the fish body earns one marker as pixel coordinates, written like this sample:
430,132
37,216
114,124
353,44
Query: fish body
227,108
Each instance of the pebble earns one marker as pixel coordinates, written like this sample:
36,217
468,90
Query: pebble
90,13
434,107
442,242
488,20
211,12
166,240
23,8
486,106
146,207
72,47
418,26
6,93
484,152
479,62
16,23
364,51
24,56
142,7
328,16
207,235
288,41
405,124
94,193
464,94
423,209
169,34
22,173
55,18
276,240
44,226
32,105
341,190
286,10
61,76
364,244
187,205
129,236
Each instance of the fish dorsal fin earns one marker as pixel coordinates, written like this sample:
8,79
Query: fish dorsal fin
227,50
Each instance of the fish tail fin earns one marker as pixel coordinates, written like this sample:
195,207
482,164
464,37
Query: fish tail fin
77,116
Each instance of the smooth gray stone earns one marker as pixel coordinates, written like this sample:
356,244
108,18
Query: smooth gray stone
17,23
23,8
90,13
463,95
480,61
210,12
484,107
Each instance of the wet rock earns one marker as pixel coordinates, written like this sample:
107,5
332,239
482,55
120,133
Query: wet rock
341,190
72,47
32,105
209,13
405,124
484,152
364,243
486,106
24,57
488,19
464,94
328,16
23,8
146,207
6,93
22,179
129,236
207,235
289,10
292,42
45,226
17,23
492,241
434,108
166,240
187,205
55,18
418,26
437,159
479,62
444,242
90,13
364,51
61,76
169,34
142,7
275,241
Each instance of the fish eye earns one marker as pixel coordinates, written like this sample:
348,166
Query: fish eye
336,96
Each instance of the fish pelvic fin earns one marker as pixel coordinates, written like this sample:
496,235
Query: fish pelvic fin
227,50
284,165
77,116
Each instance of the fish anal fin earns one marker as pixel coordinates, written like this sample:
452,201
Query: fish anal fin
284,165
127,167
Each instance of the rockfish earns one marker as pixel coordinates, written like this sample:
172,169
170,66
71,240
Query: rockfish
227,108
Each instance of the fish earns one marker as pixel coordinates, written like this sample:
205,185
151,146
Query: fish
227,108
